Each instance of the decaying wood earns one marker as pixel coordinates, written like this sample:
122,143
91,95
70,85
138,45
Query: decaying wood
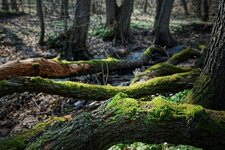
53,68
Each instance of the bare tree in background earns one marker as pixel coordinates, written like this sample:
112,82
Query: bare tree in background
14,5
162,32
118,20
5,5
77,47
41,21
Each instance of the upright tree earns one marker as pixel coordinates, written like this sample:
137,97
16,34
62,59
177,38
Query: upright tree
118,20
14,5
5,5
41,21
64,8
162,32
184,3
209,89
77,47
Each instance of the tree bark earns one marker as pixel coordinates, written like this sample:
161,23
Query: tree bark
184,3
64,9
158,8
118,21
77,47
163,36
205,16
209,89
41,21
5,5
57,68
125,120
14,5
173,83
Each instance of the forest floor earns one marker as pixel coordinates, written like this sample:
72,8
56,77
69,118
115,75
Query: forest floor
18,40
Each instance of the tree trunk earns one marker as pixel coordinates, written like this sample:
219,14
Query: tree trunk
145,6
163,36
126,120
14,5
209,89
205,16
41,21
77,47
184,3
118,21
158,8
196,5
93,6
173,83
64,9
5,5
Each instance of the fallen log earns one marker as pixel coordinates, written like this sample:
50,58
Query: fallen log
172,83
56,68
126,120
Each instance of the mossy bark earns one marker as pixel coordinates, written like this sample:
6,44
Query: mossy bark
77,90
125,120
184,55
161,69
56,68
21,140
209,89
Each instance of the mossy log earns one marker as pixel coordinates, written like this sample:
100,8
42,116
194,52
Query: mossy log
21,140
78,90
126,120
160,69
56,68
184,55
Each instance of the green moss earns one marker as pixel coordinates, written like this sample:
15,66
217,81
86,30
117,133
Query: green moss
154,48
3,84
20,141
109,60
158,108
163,109
144,146
183,55
122,105
160,69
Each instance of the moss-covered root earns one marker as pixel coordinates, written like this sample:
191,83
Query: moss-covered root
21,140
78,90
126,120
184,55
161,69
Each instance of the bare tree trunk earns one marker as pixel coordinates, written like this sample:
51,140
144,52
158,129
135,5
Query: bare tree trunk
158,9
145,6
14,5
64,8
5,5
77,47
41,21
184,3
163,36
205,16
118,21
196,4
209,89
